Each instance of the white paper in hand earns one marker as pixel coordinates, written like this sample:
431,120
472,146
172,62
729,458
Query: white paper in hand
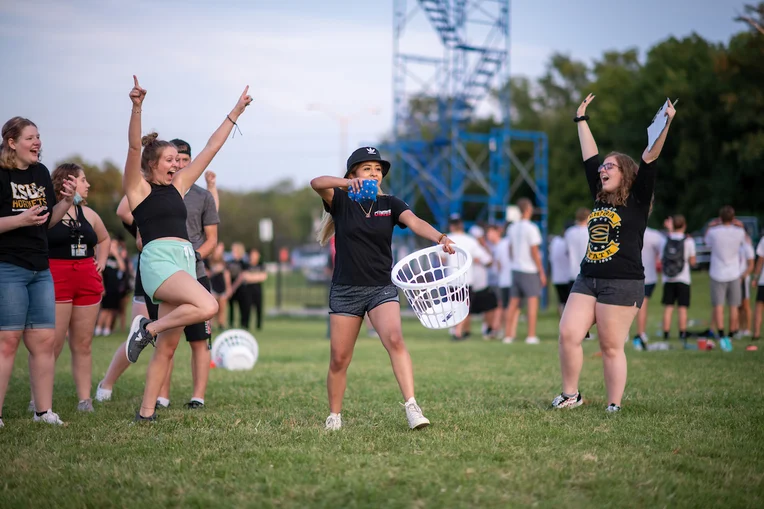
656,128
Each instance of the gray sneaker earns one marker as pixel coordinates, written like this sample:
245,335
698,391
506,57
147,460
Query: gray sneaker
86,405
138,338
31,407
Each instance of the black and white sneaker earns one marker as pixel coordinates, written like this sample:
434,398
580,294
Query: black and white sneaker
612,408
563,401
140,418
138,338
194,405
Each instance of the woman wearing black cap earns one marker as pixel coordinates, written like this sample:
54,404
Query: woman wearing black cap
361,282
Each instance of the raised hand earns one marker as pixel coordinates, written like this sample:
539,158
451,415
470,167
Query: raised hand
581,111
243,102
69,189
137,94
210,177
670,111
34,216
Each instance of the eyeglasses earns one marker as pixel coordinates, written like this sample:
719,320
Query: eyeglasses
607,167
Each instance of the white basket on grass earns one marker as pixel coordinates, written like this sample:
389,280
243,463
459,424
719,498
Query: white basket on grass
435,284
235,349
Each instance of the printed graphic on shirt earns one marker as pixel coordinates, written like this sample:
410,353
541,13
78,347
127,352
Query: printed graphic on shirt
604,234
26,196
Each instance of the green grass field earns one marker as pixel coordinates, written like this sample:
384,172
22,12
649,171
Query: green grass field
690,433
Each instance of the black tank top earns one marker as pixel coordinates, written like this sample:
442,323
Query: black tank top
72,238
162,214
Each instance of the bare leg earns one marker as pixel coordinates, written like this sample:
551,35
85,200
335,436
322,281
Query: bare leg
387,320
613,323
344,333
200,367
191,302
668,311
9,344
166,344
533,309
42,365
119,362
80,343
577,319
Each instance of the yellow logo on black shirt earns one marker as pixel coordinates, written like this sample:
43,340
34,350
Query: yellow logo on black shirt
26,196
604,235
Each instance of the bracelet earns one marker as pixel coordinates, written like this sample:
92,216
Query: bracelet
579,119
442,236
136,112
229,118
235,126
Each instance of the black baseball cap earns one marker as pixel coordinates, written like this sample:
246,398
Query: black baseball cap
365,154
182,146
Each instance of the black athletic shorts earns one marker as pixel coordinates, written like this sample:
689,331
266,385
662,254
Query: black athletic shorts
483,301
196,332
616,292
649,289
676,293
760,294
352,300
563,292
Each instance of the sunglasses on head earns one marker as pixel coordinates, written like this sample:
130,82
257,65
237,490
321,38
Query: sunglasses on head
607,167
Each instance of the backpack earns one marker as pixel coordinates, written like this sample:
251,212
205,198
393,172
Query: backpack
673,257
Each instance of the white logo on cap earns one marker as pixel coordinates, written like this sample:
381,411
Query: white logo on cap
371,150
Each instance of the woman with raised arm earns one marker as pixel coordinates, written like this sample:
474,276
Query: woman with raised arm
155,188
28,207
79,247
610,287
361,282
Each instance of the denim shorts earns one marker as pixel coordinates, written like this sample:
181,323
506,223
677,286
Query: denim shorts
616,292
27,298
351,300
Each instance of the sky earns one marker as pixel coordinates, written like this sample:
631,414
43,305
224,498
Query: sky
68,66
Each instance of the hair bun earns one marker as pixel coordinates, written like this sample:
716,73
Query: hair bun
149,139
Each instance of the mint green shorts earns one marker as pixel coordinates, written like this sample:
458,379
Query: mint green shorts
160,259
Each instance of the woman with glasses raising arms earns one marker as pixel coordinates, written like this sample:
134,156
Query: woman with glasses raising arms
610,288
78,248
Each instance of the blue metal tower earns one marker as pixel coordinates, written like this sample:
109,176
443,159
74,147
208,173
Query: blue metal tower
450,66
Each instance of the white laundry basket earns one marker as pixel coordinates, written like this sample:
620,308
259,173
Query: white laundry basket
435,284
235,349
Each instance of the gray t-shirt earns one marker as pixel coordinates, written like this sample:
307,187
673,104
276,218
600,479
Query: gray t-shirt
200,207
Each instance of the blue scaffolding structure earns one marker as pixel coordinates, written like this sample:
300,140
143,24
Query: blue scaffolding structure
460,73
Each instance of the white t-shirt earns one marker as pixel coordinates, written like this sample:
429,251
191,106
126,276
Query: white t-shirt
522,236
746,253
689,251
760,252
652,249
503,263
725,241
477,274
577,239
559,261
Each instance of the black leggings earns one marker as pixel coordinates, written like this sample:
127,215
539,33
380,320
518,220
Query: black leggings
248,296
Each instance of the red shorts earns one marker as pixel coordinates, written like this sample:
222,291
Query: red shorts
76,281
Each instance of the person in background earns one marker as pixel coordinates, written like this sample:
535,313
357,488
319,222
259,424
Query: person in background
758,280
237,266
477,279
494,317
725,236
220,283
112,274
253,280
651,255
560,266
747,257
528,275
504,265
677,257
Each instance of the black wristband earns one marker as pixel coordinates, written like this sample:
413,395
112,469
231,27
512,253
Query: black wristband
579,119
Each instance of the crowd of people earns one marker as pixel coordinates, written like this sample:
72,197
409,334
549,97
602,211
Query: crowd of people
64,277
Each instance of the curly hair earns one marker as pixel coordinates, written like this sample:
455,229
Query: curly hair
628,168
62,173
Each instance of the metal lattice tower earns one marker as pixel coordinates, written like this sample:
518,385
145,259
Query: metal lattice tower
442,84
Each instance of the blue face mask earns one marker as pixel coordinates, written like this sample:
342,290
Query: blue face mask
77,198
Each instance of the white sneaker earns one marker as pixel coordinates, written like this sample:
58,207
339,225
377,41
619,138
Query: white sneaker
2,425
333,422
31,407
508,340
414,415
102,394
48,418
532,340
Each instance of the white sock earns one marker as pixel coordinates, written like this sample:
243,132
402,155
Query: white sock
200,400
411,401
332,414
107,332
163,402
98,331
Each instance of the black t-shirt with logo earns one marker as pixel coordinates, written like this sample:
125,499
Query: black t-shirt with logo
616,233
364,244
21,190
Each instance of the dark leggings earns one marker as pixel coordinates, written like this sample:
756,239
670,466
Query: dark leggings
248,296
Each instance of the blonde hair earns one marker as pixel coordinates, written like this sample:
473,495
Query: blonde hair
326,228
